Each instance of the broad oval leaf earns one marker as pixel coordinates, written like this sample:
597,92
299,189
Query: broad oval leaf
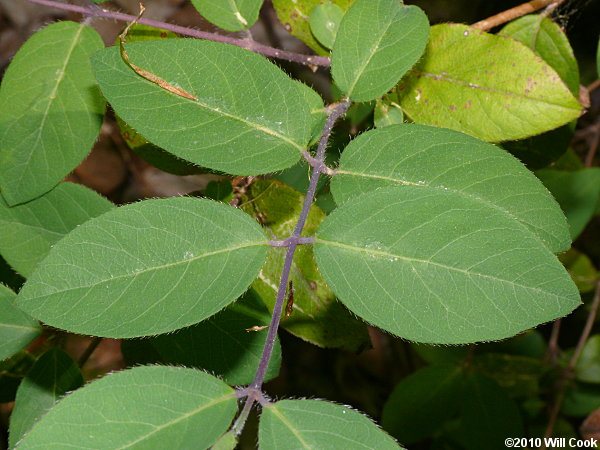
317,316
249,117
440,266
491,87
146,268
581,269
377,42
488,414
324,22
588,365
422,402
224,344
317,424
577,193
294,16
144,407
420,155
52,376
17,329
29,230
48,92
549,41
387,112
231,15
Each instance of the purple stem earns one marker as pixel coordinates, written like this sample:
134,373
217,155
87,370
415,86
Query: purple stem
248,44
253,391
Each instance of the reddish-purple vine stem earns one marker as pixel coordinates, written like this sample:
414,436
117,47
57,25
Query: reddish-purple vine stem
253,392
248,44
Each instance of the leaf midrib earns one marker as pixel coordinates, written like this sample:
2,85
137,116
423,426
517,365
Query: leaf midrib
387,255
153,268
178,419
449,189
468,84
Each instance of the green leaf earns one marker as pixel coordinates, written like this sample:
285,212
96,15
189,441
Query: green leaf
489,86
53,375
231,15
317,316
581,399
440,266
549,41
422,402
226,442
488,414
294,15
250,117
531,344
377,42
576,192
518,375
324,22
436,354
419,155
581,269
219,345
29,230
539,151
146,268
588,365
387,112
17,329
50,110
317,424
144,407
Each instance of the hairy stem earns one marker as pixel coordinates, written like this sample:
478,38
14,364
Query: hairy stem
568,372
248,44
253,392
514,13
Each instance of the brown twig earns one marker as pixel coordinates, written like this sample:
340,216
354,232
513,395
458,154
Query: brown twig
96,11
88,351
594,142
568,372
514,13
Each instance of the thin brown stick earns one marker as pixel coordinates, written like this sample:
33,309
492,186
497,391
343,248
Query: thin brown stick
88,351
594,142
514,13
143,72
593,86
568,372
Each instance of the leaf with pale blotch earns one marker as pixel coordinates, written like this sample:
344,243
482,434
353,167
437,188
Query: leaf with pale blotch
317,424
294,16
377,42
549,41
146,268
581,269
220,344
17,329
231,15
422,402
317,317
440,266
250,117
387,112
29,230
489,86
144,407
420,155
576,192
50,110
324,22
53,375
